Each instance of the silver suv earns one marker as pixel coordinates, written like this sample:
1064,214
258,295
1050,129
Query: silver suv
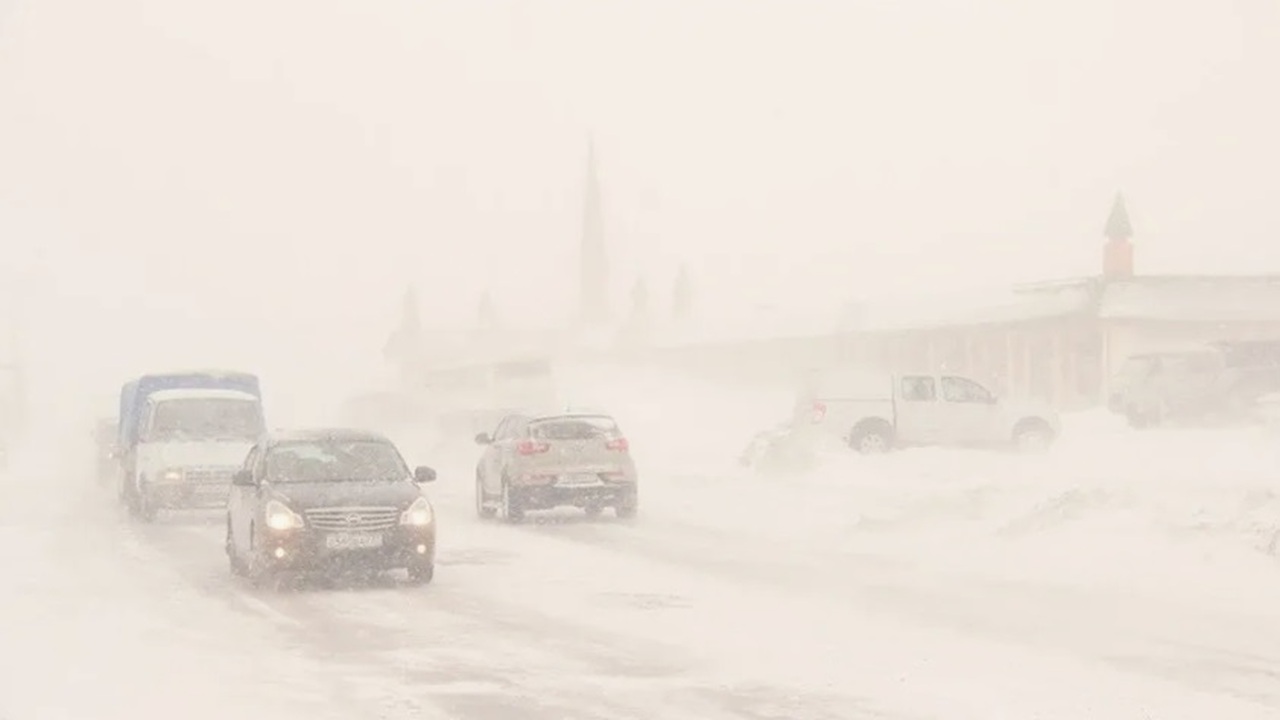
539,462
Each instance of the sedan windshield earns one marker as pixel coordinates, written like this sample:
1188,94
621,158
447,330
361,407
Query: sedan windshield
335,461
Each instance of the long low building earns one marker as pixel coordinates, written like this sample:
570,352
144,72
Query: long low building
1060,340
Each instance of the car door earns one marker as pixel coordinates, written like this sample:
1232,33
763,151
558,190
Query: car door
916,410
504,447
967,414
491,459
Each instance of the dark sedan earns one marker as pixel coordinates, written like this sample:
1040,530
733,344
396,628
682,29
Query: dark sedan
329,501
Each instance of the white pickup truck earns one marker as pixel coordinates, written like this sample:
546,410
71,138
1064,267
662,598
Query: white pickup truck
873,412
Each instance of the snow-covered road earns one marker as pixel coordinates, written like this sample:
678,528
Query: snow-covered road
731,597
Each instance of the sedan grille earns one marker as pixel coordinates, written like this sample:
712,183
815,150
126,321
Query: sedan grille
209,475
353,518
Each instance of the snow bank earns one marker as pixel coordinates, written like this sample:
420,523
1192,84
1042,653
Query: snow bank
1198,510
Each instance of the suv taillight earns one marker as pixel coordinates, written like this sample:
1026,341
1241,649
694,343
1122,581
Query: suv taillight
619,444
818,412
531,447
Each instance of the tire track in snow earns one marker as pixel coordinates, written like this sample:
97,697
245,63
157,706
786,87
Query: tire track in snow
512,662
1010,611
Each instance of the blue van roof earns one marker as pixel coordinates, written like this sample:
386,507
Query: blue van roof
134,393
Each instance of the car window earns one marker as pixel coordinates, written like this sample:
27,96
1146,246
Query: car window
250,460
918,388
964,390
512,427
500,431
335,460
582,427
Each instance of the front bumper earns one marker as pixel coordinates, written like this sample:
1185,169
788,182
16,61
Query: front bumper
308,551
187,495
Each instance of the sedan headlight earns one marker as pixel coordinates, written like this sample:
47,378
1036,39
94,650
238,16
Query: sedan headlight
280,517
418,514
172,475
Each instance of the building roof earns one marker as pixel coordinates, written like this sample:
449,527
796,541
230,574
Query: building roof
1193,298
982,306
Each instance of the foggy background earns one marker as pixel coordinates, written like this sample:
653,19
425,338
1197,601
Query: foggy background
255,183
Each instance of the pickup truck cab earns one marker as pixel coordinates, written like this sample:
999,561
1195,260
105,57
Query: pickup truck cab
873,412
184,443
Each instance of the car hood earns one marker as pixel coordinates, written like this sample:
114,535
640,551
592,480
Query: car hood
307,496
197,454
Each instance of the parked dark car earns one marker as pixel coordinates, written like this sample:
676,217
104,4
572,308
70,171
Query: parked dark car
329,501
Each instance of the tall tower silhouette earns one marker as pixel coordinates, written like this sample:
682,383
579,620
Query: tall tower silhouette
593,270
1117,254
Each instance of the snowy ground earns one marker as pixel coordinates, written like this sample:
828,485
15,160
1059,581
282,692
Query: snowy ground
1123,575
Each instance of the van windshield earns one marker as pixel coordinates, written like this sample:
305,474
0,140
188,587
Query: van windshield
197,419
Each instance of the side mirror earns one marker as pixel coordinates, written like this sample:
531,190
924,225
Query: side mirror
243,478
424,474
484,439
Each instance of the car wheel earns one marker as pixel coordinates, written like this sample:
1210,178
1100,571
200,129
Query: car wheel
483,511
627,508
233,557
256,568
1033,441
144,507
1032,436
593,510
511,510
871,438
421,574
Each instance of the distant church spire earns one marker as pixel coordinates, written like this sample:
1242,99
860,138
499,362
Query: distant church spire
593,258
1118,227
404,346
1117,253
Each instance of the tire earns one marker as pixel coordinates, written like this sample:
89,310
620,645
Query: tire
484,512
593,510
629,507
871,438
233,558
146,509
260,576
421,574
512,512
1032,435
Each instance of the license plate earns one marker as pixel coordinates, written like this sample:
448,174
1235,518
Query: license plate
579,480
353,541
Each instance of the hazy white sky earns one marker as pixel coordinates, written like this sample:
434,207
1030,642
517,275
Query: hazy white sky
282,168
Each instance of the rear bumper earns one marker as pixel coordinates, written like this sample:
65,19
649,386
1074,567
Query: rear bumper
305,551
534,497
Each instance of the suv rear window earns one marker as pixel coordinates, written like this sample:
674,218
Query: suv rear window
579,427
